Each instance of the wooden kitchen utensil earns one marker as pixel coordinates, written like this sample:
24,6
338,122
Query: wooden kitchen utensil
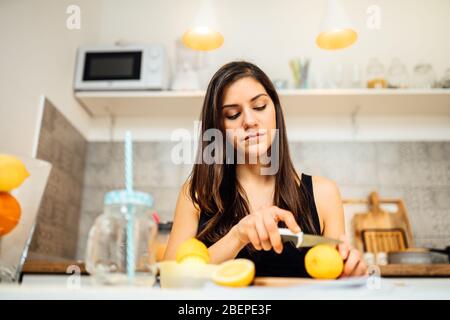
386,231
383,240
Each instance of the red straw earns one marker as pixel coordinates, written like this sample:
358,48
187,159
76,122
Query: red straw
156,217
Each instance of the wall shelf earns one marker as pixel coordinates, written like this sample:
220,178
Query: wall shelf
326,102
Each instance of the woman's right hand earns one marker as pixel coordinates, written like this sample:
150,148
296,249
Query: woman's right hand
260,228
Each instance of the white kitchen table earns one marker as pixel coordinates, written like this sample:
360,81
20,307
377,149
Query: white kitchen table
63,287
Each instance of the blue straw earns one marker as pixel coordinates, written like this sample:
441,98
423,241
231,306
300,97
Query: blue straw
130,223
128,162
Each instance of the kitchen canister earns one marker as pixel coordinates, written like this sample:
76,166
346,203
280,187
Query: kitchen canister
107,259
381,258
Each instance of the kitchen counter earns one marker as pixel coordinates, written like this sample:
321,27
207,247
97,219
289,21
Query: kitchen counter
63,287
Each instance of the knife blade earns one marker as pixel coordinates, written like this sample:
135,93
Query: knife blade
305,240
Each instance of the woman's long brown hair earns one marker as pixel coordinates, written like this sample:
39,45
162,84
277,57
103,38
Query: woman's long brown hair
214,188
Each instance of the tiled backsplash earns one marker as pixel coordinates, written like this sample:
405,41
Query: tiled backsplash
153,173
56,233
417,172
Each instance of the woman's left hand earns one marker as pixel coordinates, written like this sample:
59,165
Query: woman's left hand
354,264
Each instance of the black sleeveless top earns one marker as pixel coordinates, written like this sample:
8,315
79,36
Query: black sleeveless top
290,262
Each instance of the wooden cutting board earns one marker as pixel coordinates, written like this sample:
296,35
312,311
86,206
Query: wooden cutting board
51,267
378,219
391,270
415,270
281,281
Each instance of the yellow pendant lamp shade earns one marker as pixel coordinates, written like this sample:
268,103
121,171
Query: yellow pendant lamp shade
202,39
336,39
204,35
336,31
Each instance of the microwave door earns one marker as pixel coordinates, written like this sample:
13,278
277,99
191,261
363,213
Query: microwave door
118,70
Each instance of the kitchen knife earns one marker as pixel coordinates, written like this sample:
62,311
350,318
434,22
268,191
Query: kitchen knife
305,240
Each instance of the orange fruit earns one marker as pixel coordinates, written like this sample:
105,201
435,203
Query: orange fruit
323,262
192,250
9,213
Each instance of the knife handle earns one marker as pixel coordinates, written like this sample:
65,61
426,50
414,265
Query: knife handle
288,236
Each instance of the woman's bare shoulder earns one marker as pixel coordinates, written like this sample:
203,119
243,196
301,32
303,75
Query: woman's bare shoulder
322,186
329,206
325,187
185,200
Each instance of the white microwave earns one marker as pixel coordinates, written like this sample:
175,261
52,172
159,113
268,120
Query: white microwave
131,67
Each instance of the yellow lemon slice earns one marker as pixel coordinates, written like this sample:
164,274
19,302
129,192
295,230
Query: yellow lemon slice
192,250
234,273
12,172
323,262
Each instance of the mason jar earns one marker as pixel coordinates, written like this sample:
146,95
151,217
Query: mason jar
127,217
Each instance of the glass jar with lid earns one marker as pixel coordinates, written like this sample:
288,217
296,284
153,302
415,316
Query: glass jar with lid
127,217
397,75
424,76
375,74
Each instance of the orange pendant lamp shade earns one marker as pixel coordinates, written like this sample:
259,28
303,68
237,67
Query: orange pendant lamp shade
336,31
204,34
202,39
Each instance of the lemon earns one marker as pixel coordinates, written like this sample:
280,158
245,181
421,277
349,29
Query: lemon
234,273
192,250
12,172
323,262
193,260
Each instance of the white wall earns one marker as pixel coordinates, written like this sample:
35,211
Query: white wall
37,57
270,32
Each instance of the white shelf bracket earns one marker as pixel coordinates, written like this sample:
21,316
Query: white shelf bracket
354,121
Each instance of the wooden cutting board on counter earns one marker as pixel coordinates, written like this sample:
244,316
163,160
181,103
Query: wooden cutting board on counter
415,270
281,281
52,267
391,270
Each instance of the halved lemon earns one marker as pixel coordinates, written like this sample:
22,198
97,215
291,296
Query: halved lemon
234,273
192,250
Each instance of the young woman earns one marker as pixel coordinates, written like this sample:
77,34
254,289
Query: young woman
235,207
